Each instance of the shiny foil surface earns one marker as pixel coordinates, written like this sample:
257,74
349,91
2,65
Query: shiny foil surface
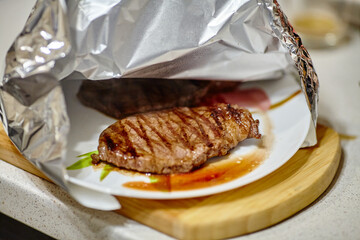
224,40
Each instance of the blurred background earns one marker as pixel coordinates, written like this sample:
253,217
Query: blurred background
323,23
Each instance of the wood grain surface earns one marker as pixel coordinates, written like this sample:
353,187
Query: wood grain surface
247,209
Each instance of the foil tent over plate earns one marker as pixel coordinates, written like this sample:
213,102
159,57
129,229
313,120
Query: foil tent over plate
186,39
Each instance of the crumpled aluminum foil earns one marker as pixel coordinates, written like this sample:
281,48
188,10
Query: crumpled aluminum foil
225,40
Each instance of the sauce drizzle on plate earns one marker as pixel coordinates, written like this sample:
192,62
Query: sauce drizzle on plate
211,174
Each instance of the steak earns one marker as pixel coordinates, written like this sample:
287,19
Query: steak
123,97
176,140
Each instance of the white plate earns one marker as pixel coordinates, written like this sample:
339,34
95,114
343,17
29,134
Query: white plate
285,127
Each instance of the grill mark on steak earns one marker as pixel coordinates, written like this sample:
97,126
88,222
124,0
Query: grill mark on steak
163,139
198,131
234,113
110,143
130,150
141,132
179,138
207,122
219,116
182,137
215,115
206,136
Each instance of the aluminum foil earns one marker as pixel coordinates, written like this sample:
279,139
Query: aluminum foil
225,40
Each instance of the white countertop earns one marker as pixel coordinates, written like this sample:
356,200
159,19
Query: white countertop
334,215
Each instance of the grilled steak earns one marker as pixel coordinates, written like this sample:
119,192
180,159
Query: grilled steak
176,140
123,97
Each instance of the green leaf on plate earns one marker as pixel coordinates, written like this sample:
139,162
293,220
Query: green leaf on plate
153,179
105,171
88,154
84,162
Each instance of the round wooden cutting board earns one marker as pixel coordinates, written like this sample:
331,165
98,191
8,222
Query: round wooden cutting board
247,209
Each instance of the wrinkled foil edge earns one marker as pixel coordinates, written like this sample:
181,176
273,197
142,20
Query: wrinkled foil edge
308,78
38,125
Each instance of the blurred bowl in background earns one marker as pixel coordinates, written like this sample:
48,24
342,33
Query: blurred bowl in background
322,23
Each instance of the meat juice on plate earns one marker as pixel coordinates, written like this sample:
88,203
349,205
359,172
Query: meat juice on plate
212,174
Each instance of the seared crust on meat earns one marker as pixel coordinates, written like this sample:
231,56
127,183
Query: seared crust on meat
176,140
